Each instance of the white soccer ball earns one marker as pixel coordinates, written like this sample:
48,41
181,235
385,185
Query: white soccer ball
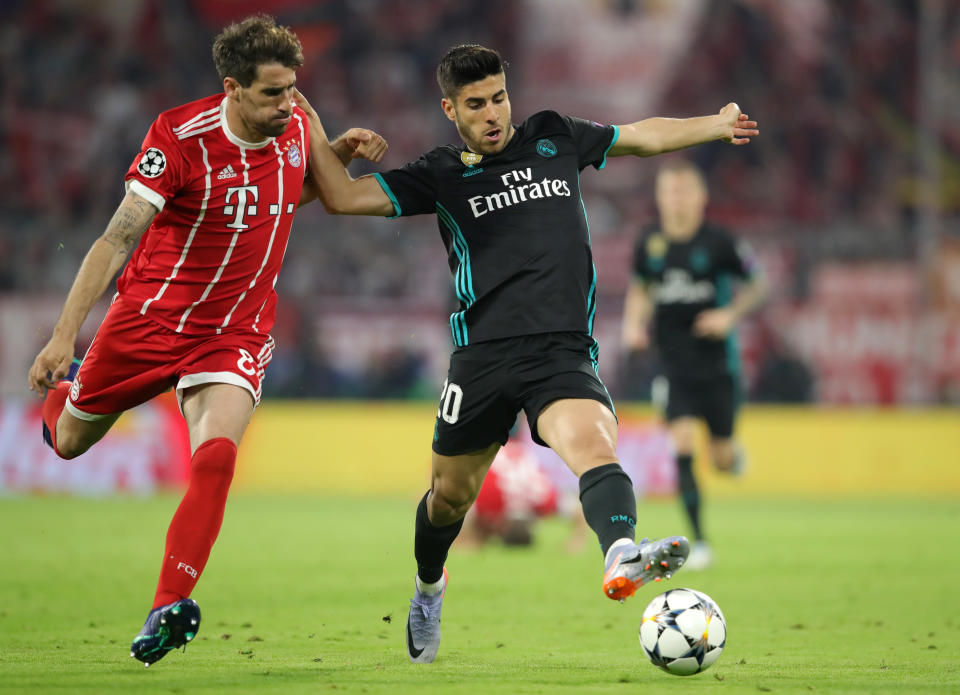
683,631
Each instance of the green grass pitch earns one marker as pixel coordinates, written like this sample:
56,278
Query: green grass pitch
309,595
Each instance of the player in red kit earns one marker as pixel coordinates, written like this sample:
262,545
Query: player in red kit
210,199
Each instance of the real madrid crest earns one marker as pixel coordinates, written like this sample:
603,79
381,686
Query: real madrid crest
470,158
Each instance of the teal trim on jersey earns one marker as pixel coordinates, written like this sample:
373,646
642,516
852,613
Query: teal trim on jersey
592,292
462,278
592,301
458,327
390,195
595,361
724,297
616,136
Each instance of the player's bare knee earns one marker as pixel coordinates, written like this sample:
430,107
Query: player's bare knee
585,449
70,444
589,455
449,506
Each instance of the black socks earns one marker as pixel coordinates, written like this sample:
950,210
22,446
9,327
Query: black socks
689,492
609,505
431,544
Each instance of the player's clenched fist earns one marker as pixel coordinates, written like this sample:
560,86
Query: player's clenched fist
366,144
51,365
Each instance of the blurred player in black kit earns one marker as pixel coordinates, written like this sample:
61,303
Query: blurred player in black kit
508,207
684,269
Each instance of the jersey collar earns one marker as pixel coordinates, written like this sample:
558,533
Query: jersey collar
239,142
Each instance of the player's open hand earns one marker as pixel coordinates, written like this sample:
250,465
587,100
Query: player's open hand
741,128
51,365
713,323
365,144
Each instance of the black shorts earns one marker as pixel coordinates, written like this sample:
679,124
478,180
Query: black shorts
489,383
715,399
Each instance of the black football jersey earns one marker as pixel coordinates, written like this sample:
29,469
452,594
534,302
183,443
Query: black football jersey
514,226
683,279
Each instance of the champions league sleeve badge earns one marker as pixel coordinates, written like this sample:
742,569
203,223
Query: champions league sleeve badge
152,163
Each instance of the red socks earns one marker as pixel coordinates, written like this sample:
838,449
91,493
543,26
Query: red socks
52,407
197,521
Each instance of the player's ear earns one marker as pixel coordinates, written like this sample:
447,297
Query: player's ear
231,87
449,109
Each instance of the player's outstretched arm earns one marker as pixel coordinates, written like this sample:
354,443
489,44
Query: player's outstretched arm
103,260
340,193
654,136
356,143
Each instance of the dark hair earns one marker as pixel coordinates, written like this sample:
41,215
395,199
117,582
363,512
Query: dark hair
242,47
467,63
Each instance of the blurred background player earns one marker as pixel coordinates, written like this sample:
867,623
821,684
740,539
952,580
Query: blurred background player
516,492
213,193
684,269
510,213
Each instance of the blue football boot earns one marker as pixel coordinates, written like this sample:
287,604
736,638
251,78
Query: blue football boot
167,627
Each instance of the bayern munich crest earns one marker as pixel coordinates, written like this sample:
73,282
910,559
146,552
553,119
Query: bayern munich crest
293,155
152,163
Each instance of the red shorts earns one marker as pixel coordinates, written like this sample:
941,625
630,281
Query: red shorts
132,359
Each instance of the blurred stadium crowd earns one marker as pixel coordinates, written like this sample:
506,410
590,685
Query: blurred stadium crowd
851,195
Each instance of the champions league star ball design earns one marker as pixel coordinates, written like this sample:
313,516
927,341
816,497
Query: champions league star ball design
683,632
152,163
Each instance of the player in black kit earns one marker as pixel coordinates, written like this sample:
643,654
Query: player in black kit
684,270
509,210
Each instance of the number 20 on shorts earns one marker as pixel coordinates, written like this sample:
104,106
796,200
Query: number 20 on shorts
450,399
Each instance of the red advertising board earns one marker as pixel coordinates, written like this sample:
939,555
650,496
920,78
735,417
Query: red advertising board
147,449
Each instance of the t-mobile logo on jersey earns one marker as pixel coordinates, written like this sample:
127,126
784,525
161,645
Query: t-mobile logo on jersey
520,188
241,193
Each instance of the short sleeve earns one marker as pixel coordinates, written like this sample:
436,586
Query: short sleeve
160,169
412,188
593,141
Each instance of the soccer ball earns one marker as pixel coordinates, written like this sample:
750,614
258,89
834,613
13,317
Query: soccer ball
683,631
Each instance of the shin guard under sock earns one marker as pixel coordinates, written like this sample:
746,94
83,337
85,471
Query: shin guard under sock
609,505
431,544
197,521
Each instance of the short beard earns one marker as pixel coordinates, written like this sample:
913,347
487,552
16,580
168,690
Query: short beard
272,131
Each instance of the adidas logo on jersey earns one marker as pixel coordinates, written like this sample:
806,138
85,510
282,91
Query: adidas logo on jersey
226,173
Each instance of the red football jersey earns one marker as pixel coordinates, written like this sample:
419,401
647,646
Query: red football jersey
209,261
